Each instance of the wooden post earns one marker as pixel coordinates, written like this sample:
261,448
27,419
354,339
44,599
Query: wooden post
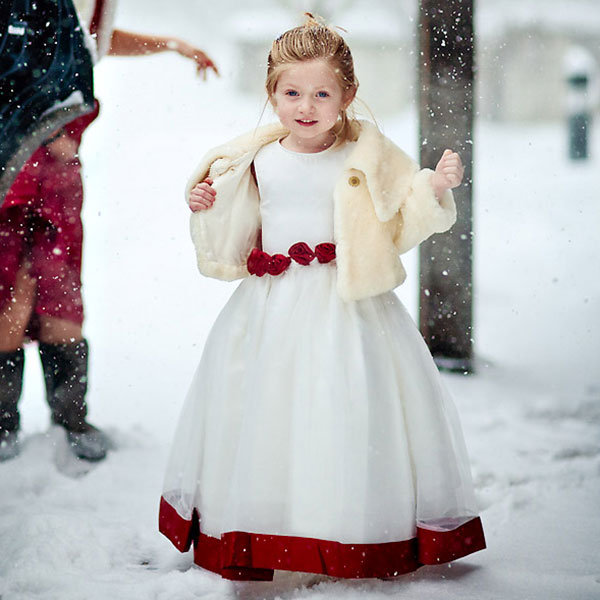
446,121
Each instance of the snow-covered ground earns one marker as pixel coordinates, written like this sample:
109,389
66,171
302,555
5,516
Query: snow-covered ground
531,414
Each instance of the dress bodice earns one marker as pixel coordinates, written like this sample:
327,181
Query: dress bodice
296,195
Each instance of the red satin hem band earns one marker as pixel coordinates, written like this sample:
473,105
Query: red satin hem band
239,555
259,263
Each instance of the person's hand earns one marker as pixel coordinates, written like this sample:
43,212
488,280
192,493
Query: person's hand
202,195
448,172
129,43
202,60
63,148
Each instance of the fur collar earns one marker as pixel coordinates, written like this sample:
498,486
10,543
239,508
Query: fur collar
387,169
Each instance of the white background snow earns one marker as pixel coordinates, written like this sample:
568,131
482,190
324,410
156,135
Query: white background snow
531,414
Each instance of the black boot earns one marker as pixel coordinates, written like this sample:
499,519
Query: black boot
65,373
11,383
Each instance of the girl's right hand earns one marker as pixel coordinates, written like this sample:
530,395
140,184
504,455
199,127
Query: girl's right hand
202,195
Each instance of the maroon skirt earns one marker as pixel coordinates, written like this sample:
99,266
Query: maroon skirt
41,230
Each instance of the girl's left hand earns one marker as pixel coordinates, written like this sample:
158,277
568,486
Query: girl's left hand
448,172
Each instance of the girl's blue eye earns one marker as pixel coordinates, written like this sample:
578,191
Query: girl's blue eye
322,94
291,93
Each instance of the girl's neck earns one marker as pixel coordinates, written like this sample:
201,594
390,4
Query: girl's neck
308,146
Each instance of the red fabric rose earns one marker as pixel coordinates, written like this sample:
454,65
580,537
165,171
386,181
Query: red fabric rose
301,253
325,252
258,262
278,264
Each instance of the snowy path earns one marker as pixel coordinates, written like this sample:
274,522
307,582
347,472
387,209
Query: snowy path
531,415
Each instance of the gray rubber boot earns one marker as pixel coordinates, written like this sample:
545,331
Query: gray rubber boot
65,369
11,383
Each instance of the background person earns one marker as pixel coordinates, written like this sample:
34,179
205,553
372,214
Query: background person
40,261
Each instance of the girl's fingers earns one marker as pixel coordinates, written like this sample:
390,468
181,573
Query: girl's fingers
208,194
203,190
451,161
196,206
451,173
453,166
203,193
450,168
450,156
202,199
206,186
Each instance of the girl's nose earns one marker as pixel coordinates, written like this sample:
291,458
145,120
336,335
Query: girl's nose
306,105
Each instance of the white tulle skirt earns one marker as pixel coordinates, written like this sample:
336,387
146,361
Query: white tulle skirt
317,436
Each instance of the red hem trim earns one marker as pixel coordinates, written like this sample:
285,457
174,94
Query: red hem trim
175,527
436,547
240,555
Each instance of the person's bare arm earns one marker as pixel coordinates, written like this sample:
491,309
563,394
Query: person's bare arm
127,43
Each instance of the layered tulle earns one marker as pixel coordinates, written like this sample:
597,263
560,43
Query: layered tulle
314,418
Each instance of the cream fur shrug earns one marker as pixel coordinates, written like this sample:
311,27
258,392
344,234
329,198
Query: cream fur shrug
383,206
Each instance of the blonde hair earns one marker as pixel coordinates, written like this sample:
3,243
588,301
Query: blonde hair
313,41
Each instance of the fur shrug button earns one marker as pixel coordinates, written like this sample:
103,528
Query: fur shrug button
354,181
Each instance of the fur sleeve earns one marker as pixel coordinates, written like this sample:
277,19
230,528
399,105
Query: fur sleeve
400,191
421,213
224,234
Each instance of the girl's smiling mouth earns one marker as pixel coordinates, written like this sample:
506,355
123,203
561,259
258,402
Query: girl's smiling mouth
305,123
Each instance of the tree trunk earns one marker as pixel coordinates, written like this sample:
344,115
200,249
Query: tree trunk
445,121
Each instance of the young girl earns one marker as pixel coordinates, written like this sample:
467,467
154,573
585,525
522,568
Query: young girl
316,435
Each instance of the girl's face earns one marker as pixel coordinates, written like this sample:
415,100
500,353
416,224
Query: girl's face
308,100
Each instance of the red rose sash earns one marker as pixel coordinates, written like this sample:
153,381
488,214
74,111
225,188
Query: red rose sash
259,262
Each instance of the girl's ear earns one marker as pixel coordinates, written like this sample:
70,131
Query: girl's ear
271,99
349,96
